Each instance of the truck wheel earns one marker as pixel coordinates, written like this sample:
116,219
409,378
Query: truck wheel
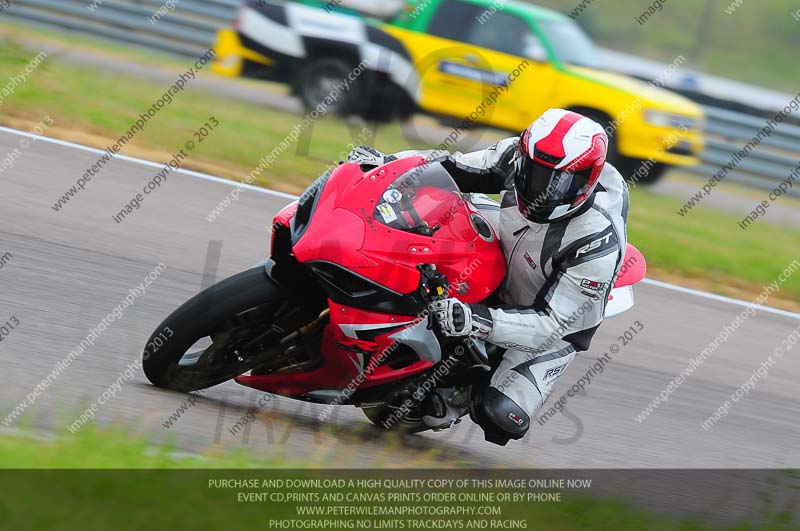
636,171
626,165
322,78
386,101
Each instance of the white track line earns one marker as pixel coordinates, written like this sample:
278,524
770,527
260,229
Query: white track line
143,162
715,297
275,193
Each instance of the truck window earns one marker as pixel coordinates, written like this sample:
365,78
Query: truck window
453,19
571,44
503,32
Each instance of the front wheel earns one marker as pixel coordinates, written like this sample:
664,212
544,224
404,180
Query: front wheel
643,172
632,170
218,334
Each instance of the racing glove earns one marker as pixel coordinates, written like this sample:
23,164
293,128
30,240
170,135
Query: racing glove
368,156
457,319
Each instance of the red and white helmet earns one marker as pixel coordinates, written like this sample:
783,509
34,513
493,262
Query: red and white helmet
559,160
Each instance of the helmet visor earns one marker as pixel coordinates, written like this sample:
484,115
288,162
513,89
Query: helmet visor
545,187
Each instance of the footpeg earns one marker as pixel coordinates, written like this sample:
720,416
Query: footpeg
443,408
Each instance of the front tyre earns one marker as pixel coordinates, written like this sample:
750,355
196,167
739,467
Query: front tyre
632,170
643,172
224,319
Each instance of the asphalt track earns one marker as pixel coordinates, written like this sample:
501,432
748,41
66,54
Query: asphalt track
70,268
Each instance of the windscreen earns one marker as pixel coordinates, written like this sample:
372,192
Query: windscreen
419,200
570,44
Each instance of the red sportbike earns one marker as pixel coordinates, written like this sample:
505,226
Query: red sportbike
337,315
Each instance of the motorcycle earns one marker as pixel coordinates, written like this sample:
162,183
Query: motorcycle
337,315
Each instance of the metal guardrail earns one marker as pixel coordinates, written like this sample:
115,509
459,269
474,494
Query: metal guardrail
772,161
187,30
190,27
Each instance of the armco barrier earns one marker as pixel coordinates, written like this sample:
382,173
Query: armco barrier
188,29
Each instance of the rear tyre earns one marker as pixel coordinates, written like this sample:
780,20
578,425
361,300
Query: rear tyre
371,96
322,77
380,415
229,313
386,101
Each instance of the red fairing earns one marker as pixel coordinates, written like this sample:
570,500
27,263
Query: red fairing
344,231
633,268
282,219
347,359
366,223
285,215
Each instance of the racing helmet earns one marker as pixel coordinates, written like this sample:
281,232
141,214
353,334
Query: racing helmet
557,166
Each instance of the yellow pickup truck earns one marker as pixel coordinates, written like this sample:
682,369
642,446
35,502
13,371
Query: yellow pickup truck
444,57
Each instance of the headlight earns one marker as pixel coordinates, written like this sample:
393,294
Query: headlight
666,119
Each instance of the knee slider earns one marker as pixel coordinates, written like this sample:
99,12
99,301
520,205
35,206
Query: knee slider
499,416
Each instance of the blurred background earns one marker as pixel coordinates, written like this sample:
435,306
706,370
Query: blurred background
754,45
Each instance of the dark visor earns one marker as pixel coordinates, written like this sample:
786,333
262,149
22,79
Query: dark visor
549,187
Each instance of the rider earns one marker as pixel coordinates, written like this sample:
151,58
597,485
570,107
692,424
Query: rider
561,222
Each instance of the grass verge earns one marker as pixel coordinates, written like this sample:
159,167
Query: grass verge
61,484
708,249
95,448
92,106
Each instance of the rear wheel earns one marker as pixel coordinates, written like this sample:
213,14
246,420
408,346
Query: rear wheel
322,78
371,95
218,334
381,417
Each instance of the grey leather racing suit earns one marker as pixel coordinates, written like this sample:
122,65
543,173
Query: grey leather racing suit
555,292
